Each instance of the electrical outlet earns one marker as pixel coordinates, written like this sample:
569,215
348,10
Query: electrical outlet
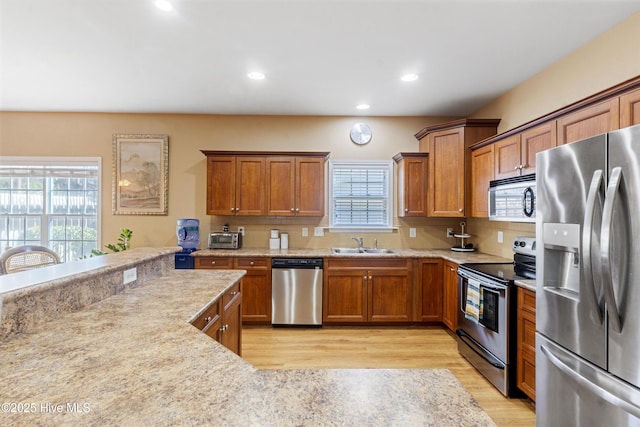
318,231
129,275
450,232
241,230
305,232
500,237
412,232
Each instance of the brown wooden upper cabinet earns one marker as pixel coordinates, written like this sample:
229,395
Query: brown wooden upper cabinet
235,185
259,183
295,186
412,183
449,159
516,154
630,109
481,174
589,121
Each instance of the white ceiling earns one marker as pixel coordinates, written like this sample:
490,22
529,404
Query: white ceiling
321,57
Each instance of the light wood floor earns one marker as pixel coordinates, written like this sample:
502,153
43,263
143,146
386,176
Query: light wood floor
427,348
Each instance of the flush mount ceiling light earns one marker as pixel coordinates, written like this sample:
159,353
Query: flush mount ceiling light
363,106
163,5
409,77
256,75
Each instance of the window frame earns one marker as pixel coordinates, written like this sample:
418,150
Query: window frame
45,216
363,164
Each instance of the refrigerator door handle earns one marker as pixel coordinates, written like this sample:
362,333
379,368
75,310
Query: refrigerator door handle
595,189
605,253
572,373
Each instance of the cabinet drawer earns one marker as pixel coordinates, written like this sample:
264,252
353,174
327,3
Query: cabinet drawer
249,263
210,314
214,262
230,294
369,263
528,301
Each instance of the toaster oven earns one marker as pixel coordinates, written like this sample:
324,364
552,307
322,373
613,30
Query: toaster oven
225,240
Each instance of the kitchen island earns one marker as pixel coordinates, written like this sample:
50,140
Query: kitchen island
133,358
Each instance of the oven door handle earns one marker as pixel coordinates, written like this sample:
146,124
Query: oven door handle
493,288
480,351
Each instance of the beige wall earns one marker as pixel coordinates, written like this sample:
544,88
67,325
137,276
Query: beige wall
604,62
76,134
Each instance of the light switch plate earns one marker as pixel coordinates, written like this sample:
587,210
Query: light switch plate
318,231
412,232
305,232
130,275
241,230
500,237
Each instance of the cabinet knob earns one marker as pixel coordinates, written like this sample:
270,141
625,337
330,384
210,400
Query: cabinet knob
406,209
369,277
297,209
292,210
233,209
364,277
460,210
516,167
251,263
234,293
213,263
224,328
207,319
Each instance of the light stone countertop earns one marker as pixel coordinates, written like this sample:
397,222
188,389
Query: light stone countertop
448,254
133,359
527,284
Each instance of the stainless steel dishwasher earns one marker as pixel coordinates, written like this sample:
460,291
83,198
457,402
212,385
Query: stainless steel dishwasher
296,295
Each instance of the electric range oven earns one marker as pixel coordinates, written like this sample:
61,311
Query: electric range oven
487,315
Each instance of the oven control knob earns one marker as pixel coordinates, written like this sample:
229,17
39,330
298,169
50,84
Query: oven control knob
523,244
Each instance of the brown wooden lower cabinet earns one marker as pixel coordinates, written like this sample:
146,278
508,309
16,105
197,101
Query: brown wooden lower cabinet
222,320
450,295
526,353
372,290
428,290
256,284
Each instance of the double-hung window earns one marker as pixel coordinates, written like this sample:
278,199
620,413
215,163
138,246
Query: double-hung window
50,201
360,194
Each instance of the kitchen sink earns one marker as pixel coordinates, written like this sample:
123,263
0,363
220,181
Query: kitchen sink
363,251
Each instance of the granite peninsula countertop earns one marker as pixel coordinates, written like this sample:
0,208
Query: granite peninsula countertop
133,359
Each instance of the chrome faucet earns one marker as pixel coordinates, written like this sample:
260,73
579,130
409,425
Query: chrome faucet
360,242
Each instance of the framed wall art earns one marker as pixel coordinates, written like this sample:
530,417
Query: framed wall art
140,174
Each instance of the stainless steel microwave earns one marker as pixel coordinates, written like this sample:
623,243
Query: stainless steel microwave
513,199
225,240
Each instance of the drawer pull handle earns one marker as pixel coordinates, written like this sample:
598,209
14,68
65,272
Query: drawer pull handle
234,293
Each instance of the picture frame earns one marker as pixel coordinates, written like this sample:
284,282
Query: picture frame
140,183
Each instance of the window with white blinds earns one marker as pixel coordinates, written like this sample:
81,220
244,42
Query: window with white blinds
360,194
51,201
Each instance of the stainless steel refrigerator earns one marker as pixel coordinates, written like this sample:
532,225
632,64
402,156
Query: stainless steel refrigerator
588,282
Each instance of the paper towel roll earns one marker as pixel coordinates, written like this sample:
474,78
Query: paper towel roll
284,241
274,234
274,243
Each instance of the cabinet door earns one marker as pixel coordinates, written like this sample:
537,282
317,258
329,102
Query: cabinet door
428,291
231,329
256,289
630,109
412,186
446,173
481,173
507,157
280,186
590,121
389,296
526,348
221,185
309,192
450,297
250,186
535,140
344,296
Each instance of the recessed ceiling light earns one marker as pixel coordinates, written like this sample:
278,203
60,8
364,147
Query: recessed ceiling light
363,106
256,75
163,5
409,77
